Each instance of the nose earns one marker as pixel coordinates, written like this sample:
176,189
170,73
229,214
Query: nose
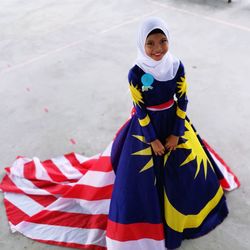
157,48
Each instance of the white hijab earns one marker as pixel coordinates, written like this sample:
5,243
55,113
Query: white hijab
166,68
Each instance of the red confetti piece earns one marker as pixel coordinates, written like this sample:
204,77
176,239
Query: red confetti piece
72,141
46,110
28,89
8,65
19,156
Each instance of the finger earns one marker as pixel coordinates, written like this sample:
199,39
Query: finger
156,153
159,153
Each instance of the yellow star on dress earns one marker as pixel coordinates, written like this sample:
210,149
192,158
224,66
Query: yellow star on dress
182,86
197,152
136,94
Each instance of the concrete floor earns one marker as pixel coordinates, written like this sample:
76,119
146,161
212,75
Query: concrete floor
63,78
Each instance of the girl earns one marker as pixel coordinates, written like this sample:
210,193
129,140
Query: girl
167,181
166,187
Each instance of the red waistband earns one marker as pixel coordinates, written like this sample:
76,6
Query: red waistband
163,106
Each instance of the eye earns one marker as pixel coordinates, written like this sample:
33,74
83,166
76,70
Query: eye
149,43
164,40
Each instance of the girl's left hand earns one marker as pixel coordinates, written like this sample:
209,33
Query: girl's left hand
171,142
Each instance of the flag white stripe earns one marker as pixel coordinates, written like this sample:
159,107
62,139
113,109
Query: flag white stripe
24,203
80,206
227,175
66,168
62,233
107,151
81,158
41,172
18,166
143,244
27,186
97,178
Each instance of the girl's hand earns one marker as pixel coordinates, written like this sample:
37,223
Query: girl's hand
157,147
171,142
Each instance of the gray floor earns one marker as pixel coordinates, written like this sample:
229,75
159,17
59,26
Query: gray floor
63,78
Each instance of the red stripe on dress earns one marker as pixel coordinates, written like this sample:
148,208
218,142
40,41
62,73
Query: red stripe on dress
89,193
73,245
14,214
222,162
163,105
134,231
75,163
67,219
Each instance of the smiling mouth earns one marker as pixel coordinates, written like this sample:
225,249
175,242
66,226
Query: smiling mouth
157,55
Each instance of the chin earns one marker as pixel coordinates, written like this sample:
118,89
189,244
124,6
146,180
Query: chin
157,59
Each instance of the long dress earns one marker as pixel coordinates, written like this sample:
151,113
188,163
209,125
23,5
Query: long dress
126,197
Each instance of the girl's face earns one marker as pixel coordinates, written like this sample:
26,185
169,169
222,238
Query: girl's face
156,46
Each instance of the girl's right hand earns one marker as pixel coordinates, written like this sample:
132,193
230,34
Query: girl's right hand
157,147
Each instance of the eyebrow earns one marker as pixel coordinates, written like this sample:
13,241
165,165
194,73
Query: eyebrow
150,40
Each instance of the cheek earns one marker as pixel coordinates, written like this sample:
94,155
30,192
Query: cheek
166,48
148,51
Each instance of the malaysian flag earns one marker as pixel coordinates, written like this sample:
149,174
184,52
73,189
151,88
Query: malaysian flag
65,201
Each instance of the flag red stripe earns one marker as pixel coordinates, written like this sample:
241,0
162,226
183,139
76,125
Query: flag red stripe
89,193
53,188
73,245
14,214
43,200
222,162
102,164
224,183
8,185
89,164
29,171
7,169
75,163
78,220
134,231
54,172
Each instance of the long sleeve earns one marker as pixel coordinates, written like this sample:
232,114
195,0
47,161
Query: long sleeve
182,101
140,108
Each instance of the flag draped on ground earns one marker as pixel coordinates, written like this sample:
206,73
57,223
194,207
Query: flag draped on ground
62,201
65,200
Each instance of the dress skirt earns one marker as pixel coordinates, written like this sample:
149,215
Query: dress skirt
124,198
